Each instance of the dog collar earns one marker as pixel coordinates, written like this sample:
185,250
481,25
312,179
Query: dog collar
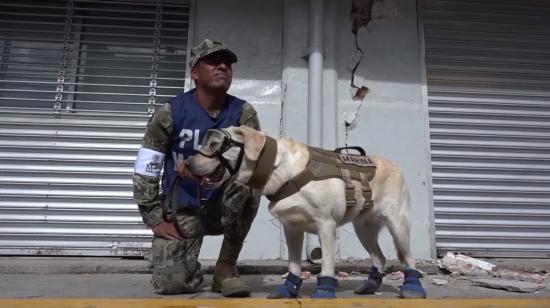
265,164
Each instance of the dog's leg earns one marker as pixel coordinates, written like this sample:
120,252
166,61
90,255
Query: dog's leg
399,227
291,287
294,242
367,232
412,287
400,231
326,281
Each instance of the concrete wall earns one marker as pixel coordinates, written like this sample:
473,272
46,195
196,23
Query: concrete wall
393,119
270,39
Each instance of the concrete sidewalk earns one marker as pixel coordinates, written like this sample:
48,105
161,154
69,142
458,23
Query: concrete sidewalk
112,282
44,286
108,265
100,265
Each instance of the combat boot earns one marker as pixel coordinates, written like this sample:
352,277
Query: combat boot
226,276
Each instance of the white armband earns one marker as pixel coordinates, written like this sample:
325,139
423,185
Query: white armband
149,162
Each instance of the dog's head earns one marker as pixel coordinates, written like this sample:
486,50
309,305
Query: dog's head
225,153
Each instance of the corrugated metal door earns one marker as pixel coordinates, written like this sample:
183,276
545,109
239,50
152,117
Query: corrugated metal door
488,72
78,79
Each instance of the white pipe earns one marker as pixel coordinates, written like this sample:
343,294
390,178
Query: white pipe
315,100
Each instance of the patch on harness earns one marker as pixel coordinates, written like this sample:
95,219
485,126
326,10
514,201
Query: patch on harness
358,160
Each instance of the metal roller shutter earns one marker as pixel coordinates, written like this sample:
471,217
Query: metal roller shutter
78,79
488,72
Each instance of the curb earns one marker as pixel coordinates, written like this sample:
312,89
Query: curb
298,303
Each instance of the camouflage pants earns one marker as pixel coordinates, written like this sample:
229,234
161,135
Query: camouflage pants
175,264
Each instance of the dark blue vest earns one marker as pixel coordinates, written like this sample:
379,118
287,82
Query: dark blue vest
191,122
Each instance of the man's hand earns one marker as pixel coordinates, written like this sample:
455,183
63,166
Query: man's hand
183,171
166,231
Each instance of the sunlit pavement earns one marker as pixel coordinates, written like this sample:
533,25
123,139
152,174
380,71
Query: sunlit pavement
254,302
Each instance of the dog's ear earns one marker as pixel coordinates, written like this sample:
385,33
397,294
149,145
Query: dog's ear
254,141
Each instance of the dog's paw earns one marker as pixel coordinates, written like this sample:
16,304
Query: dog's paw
368,287
319,293
289,289
326,287
412,294
371,285
412,287
281,292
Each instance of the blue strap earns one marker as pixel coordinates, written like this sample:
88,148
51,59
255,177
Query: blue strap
326,287
376,275
372,284
412,284
293,283
327,283
412,276
411,272
290,288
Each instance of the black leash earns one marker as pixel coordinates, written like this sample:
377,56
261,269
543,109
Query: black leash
171,205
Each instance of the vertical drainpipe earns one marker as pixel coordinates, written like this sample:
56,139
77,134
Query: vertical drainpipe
315,100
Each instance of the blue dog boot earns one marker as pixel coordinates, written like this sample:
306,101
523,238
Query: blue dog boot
326,287
372,284
289,289
412,287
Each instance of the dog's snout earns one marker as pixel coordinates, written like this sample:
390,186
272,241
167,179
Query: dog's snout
191,165
198,165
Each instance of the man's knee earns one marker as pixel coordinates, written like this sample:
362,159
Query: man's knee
239,203
238,229
175,266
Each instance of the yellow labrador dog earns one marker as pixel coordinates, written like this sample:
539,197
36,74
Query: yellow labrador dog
318,207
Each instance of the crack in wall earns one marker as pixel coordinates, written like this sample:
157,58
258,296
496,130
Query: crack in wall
361,15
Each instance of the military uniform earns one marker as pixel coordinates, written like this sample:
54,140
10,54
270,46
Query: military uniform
229,211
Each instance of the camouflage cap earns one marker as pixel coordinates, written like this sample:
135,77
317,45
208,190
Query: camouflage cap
207,47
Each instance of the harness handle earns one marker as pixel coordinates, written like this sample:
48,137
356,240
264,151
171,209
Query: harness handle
356,148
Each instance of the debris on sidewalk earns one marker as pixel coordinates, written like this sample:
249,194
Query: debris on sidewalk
508,285
439,282
395,275
343,274
531,277
463,265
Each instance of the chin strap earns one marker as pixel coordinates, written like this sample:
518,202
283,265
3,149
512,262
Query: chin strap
202,203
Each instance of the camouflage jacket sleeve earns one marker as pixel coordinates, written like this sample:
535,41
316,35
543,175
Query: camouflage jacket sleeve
249,117
146,188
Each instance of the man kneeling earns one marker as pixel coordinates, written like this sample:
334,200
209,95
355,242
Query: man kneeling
172,136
